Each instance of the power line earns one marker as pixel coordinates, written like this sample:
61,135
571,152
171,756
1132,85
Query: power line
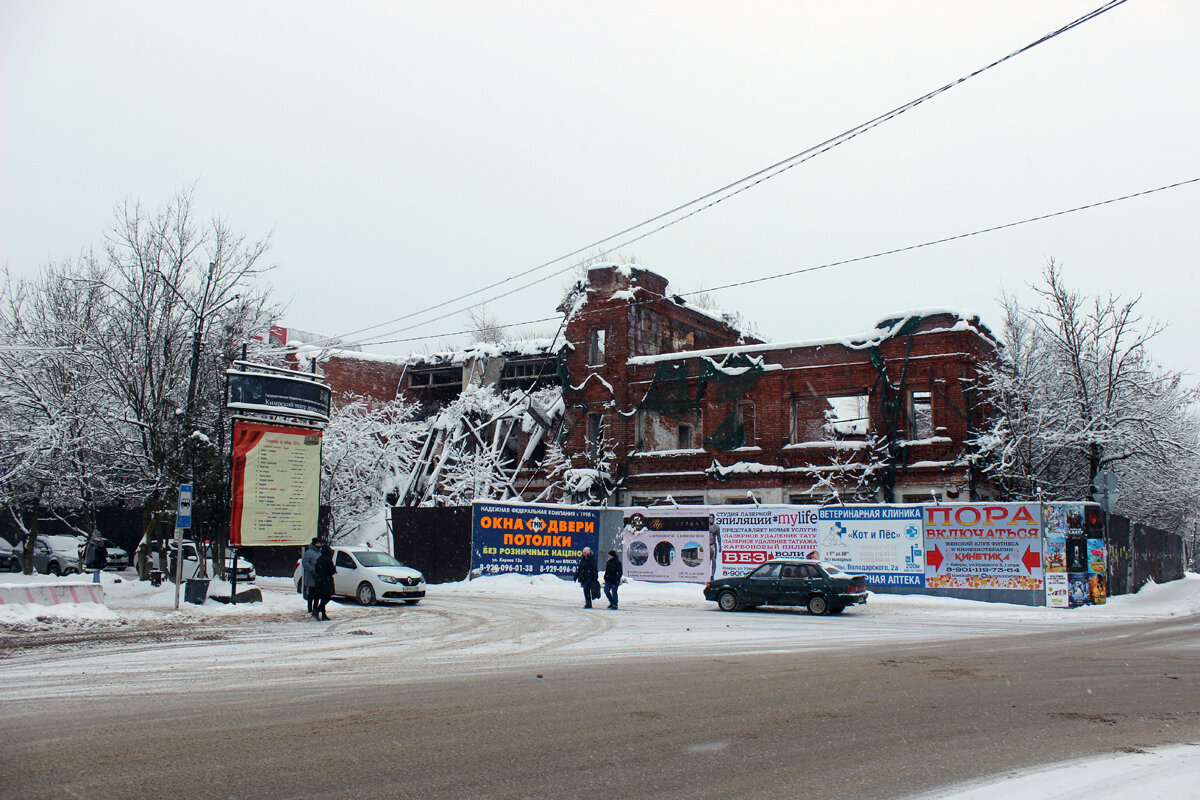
842,262
714,197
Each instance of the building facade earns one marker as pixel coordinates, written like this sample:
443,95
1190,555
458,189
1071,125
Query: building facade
665,402
674,405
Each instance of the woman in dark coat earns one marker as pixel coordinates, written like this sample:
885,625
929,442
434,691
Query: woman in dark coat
586,574
323,588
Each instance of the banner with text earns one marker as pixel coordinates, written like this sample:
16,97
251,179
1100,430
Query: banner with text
276,485
668,544
746,536
882,542
983,546
1058,587
531,539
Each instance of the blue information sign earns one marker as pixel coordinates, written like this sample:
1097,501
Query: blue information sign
183,514
529,539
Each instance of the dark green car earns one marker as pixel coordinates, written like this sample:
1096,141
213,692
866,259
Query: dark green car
821,586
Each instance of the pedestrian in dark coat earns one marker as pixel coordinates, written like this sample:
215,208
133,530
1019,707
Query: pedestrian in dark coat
613,571
308,578
585,574
323,589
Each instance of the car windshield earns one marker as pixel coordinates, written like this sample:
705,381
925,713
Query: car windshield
373,558
64,543
830,569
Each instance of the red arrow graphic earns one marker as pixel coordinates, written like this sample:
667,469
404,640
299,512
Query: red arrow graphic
933,558
1031,559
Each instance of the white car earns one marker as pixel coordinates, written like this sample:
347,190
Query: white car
191,564
370,575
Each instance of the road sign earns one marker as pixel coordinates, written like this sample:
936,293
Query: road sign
183,514
1106,480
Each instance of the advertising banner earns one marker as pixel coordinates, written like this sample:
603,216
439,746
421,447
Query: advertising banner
300,395
882,542
983,546
746,536
1080,591
668,544
532,539
276,485
1097,571
1058,586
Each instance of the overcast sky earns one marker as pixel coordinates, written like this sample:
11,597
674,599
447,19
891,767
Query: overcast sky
406,152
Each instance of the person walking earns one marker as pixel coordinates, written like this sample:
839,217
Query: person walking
95,554
585,574
309,578
323,587
612,578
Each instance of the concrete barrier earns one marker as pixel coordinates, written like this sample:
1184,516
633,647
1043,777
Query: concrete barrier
48,594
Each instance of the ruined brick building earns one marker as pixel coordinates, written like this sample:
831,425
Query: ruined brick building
662,401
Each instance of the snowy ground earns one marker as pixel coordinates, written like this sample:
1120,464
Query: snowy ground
509,620
130,600
1165,772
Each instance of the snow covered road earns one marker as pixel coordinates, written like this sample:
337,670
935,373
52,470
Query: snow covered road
505,687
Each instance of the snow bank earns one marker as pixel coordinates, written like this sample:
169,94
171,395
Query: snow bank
1164,772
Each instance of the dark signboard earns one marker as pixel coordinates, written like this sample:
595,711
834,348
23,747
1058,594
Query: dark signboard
531,539
277,394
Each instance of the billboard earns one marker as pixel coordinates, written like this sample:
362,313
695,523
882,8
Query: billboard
276,484
746,536
668,544
531,539
298,395
983,546
882,542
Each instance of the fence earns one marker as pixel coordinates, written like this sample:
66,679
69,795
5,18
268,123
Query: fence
1138,554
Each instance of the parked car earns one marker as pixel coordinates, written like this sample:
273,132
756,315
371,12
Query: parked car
369,575
10,560
191,564
821,586
118,557
56,554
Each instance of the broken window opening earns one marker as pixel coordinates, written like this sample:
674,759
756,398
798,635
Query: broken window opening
920,415
596,348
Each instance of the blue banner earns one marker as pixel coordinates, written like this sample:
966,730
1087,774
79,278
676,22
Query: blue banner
531,540
885,543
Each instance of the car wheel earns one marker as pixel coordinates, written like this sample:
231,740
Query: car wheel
15,566
413,601
728,601
53,568
818,605
366,594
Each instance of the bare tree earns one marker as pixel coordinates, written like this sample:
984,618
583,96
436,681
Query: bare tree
1077,392
112,366
366,451
485,328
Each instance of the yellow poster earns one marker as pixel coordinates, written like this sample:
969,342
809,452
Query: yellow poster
276,485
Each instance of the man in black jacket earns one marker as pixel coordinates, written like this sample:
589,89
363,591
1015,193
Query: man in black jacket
612,578
585,574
